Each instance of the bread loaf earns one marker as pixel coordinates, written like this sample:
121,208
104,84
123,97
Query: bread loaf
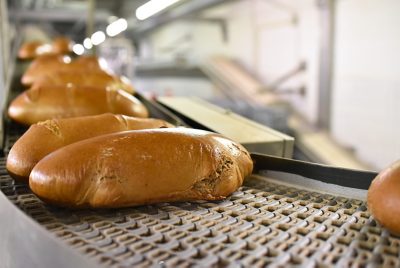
141,167
384,198
48,64
61,45
33,49
43,103
29,50
90,61
97,78
47,136
43,65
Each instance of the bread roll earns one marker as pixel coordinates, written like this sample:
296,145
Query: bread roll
47,136
384,198
43,103
28,50
141,167
97,78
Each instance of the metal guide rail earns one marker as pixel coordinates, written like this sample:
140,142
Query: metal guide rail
263,223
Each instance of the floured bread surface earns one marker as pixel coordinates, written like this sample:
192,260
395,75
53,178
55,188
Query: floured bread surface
142,167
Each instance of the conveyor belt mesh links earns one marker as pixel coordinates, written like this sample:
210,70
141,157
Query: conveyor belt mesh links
261,224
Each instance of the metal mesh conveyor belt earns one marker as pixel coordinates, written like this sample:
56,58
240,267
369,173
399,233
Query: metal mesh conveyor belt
261,224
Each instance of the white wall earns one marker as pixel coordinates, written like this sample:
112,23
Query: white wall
366,82
282,45
366,91
261,37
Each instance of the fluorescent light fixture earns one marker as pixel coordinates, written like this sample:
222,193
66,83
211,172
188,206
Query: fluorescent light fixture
78,49
87,43
117,27
152,7
98,38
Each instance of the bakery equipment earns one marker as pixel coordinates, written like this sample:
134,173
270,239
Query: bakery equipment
277,218
288,213
254,136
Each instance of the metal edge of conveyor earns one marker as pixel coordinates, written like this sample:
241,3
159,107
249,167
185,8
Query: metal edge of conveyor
346,177
24,243
6,87
326,179
288,141
285,149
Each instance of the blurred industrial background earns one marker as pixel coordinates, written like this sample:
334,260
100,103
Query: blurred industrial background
326,72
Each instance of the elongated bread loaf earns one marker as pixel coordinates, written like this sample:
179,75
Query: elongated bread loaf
61,45
43,103
90,61
48,136
33,49
48,64
42,65
141,167
29,50
94,78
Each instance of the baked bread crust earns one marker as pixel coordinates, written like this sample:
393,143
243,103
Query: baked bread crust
384,198
142,167
47,64
98,78
44,102
47,136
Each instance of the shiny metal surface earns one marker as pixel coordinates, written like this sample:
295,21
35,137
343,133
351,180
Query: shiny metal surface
255,137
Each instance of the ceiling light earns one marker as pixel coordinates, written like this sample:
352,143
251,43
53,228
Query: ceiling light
152,7
78,49
87,43
117,27
98,38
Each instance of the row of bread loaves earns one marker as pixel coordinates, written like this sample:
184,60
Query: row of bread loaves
62,87
90,145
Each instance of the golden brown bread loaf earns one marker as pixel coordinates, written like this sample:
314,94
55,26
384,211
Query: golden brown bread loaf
141,167
29,50
61,45
43,103
47,64
47,136
43,65
90,61
384,198
33,49
97,78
